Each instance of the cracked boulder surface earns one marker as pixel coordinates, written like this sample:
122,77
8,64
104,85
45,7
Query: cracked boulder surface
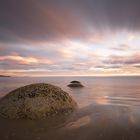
36,101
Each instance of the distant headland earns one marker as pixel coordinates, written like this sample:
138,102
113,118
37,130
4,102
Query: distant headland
4,76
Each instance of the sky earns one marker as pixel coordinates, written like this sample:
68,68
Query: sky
69,37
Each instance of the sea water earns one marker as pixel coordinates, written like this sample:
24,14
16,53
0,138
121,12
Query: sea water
108,109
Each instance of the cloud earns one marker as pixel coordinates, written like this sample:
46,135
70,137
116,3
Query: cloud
123,60
121,47
134,59
19,60
137,66
33,20
70,36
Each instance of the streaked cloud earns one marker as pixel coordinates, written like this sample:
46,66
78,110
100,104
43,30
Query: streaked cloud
121,47
69,37
19,59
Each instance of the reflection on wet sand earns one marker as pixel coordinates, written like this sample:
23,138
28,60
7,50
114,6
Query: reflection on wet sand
79,123
132,120
99,122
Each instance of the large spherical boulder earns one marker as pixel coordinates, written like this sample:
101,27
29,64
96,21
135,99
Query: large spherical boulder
74,84
36,101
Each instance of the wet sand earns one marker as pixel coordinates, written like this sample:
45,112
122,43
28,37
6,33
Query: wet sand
94,122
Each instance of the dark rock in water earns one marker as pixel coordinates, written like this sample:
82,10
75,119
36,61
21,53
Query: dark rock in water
36,101
75,84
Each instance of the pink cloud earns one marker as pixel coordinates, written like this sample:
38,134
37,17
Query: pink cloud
23,60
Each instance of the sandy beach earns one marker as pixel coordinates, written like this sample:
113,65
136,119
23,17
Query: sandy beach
92,122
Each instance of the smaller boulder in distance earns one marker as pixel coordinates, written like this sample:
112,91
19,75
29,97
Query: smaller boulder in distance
74,84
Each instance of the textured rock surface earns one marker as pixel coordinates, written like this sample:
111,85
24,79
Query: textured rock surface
36,101
75,84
